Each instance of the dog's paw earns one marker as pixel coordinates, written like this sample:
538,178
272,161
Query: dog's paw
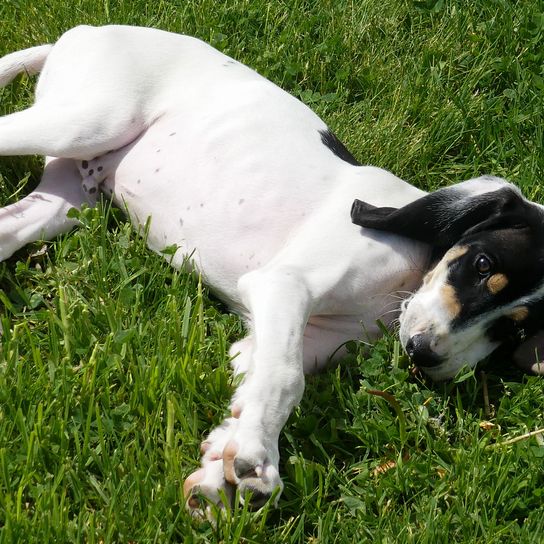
232,465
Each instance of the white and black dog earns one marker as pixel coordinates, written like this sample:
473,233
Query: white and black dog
251,183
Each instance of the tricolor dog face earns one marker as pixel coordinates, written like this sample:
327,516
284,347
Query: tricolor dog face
489,279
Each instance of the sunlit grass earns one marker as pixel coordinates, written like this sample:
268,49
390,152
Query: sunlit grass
113,366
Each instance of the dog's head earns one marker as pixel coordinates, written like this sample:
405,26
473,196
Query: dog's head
487,287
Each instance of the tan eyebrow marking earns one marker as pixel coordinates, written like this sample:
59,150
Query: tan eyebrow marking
455,253
451,302
451,255
496,283
519,314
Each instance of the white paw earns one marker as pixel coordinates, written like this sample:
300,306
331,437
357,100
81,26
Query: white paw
232,460
254,470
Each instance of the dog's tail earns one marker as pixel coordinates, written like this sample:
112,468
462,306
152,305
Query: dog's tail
29,60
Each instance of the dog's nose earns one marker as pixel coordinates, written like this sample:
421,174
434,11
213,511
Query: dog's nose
420,352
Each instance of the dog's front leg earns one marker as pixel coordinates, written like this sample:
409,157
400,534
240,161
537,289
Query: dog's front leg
42,214
279,302
243,452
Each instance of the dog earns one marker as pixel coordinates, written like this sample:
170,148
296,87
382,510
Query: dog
249,181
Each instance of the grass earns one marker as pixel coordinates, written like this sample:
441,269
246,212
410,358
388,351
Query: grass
113,366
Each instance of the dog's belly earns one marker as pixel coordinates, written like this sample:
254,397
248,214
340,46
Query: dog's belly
229,203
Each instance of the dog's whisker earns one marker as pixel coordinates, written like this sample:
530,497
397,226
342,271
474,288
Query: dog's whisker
403,294
394,311
394,305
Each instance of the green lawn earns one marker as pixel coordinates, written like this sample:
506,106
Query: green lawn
113,366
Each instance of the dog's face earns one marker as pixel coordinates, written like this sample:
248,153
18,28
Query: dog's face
488,284
480,295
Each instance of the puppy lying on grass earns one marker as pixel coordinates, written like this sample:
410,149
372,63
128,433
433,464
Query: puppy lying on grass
250,182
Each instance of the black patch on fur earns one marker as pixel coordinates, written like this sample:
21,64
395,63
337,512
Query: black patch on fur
337,147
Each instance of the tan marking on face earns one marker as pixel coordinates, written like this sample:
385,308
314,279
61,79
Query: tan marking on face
451,302
519,314
451,255
496,283
454,253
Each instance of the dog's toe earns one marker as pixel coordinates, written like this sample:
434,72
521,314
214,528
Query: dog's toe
203,501
207,488
195,502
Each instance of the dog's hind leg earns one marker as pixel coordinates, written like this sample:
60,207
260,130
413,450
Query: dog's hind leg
87,99
42,214
78,131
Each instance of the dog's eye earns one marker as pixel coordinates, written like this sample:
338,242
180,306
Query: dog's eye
483,265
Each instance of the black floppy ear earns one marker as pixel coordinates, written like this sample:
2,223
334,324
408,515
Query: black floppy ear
442,217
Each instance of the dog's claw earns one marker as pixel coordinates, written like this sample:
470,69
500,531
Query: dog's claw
194,502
